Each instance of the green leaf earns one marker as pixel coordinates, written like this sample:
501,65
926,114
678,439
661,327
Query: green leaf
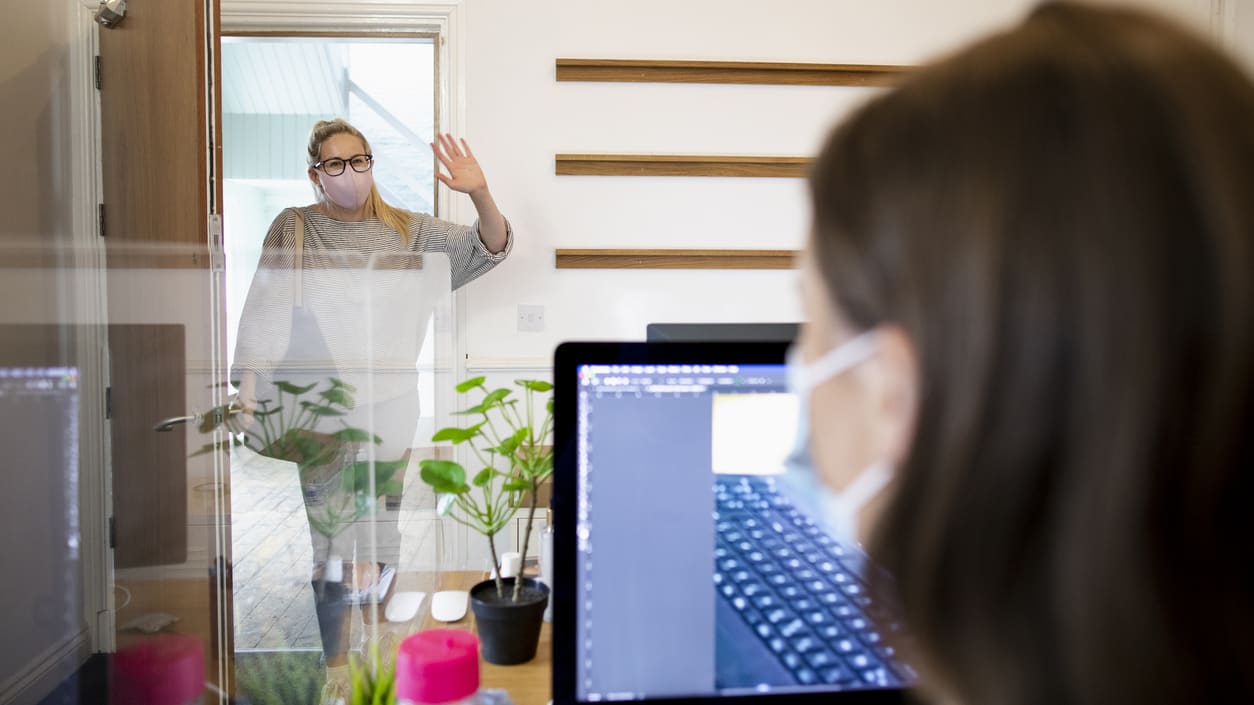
348,434
483,477
292,389
494,396
549,405
510,445
457,435
517,486
320,410
337,395
476,409
341,384
384,470
470,384
444,476
534,385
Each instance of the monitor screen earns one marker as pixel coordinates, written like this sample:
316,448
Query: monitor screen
689,572
698,332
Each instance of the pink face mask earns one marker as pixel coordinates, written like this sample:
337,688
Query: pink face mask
348,190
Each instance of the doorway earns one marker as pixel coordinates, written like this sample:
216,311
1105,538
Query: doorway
275,87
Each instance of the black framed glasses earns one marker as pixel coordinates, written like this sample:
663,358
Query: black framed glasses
335,166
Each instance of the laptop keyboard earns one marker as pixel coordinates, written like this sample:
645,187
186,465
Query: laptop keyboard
800,591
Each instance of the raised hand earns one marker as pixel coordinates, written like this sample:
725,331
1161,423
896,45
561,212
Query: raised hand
464,174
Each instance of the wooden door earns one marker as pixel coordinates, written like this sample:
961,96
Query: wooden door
160,157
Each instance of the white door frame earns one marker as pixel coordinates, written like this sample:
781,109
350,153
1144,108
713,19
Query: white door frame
446,20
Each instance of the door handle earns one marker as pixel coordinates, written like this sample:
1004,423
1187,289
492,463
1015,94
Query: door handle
169,424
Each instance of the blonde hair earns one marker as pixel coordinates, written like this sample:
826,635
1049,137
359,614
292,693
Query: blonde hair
389,215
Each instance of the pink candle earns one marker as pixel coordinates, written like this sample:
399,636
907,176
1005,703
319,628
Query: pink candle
437,666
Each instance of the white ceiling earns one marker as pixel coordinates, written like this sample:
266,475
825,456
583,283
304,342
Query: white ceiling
279,77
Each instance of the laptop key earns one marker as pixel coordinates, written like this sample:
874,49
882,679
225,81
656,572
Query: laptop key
790,592
804,644
778,615
837,675
739,603
777,644
764,630
859,660
803,604
817,617
830,631
790,659
821,658
752,589
765,601
792,628
845,646
806,677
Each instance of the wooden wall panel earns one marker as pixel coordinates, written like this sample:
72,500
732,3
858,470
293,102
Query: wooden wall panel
679,165
675,259
754,72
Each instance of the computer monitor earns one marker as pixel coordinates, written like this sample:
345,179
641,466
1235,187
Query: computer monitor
683,571
699,332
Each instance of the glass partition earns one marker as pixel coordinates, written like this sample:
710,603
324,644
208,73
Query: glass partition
244,546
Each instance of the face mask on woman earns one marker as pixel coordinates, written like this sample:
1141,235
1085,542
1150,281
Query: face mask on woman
349,190
838,511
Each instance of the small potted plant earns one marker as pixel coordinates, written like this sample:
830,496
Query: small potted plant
511,441
335,478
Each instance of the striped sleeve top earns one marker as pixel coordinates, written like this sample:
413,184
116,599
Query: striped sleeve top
348,300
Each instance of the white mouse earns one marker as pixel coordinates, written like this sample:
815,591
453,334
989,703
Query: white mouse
403,606
449,605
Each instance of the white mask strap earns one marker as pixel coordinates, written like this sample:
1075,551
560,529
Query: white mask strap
837,360
870,482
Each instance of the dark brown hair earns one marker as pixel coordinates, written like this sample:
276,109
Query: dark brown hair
1061,218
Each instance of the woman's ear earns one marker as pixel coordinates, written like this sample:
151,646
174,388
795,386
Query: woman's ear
894,387
313,176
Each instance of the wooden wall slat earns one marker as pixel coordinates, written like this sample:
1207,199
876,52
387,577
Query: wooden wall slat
674,259
679,165
753,72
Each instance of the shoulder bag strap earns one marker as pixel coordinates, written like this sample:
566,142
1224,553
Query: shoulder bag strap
299,259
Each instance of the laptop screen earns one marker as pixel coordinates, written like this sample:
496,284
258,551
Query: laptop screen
691,572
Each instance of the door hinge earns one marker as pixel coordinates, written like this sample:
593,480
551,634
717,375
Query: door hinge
97,72
108,402
113,533
100,221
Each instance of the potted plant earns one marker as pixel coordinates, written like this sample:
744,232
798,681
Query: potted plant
511,440
335,478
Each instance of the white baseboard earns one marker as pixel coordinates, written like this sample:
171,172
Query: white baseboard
46,671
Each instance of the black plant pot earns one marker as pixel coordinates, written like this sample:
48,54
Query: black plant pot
509,631
329,606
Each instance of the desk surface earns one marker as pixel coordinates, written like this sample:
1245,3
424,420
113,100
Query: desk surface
528,683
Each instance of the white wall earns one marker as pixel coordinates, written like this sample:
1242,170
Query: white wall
518,117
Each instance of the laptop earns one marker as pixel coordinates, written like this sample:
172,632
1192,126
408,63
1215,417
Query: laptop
684,572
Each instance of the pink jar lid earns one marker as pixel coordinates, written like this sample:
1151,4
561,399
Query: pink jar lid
437,666
167,669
